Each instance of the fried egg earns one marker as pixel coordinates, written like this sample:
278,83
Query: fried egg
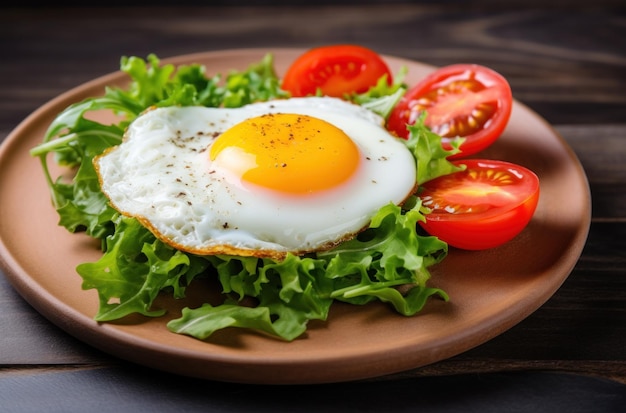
287,176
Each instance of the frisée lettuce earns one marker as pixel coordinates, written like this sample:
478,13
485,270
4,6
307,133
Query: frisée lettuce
387,262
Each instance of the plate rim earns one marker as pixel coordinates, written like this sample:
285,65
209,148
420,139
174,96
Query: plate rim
69,319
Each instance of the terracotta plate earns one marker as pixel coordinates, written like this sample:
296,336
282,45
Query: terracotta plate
490,291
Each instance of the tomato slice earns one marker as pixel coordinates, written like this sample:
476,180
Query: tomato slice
466,100
483,206
336,70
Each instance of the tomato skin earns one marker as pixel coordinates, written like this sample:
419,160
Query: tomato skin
482,207
336,70
466,100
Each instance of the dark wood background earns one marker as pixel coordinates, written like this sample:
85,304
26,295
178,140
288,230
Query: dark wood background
566,60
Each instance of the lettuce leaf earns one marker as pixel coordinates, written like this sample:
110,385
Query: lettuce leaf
74,140
427,149
289,294
388,262
382,97
389,254
134,269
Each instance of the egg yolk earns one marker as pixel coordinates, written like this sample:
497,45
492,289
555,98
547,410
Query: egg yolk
291,153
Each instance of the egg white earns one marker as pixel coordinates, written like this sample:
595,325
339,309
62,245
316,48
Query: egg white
161,174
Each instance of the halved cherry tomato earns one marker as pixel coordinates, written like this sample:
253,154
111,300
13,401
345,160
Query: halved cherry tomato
336,70
484,206
466,100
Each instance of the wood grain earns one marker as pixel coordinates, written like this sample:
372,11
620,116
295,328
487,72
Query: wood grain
568,64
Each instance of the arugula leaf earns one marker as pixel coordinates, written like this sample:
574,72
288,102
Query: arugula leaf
80,204
205,320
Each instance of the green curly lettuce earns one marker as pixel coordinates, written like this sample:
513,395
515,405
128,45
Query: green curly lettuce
382,97
387,262
388,256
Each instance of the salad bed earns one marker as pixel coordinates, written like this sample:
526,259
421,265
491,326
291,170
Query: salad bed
387,262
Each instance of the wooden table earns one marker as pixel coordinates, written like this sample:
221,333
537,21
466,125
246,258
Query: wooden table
566,63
